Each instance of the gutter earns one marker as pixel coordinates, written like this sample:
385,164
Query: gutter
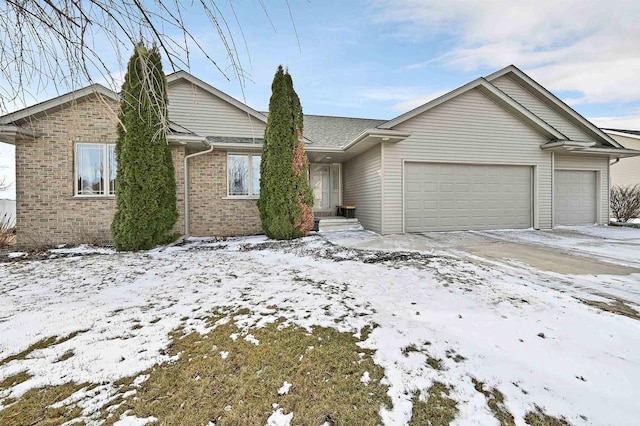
186,183
613,152
566,145
378,133
247,146
9,133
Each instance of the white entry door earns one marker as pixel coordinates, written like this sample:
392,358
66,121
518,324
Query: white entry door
325,183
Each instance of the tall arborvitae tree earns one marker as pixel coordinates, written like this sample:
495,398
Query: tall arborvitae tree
286,200
146,187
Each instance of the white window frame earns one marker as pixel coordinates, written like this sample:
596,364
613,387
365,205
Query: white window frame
105,173
250,156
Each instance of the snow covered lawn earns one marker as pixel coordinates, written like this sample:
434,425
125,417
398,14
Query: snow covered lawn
490,340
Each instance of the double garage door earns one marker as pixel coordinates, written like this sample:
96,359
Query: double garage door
451,197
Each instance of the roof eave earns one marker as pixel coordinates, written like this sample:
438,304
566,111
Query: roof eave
566,145
187,140
611,152
323,149
58,102
623,134
382,135
11,134
555,100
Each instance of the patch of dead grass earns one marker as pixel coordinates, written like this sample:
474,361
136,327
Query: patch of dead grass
616,306
33,408
65,356
438,409
435,363
540,418
451,354
8,401
41,344
410,349
16,379
325,368
495,401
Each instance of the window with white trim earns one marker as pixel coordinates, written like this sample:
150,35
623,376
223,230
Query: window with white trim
95,171
243,175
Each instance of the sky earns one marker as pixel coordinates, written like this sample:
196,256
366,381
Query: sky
380,58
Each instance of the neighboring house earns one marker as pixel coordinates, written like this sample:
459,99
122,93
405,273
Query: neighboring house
8,211
498,152
626,171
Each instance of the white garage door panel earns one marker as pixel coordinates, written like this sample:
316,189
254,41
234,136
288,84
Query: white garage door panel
575,197
450,197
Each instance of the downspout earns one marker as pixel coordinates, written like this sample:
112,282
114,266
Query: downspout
609,192
186,184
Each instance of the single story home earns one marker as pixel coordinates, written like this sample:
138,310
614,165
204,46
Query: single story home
626,171
499,152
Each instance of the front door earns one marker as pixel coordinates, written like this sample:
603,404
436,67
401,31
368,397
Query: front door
325,184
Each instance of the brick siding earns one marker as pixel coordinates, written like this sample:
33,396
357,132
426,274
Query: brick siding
211,212
46,210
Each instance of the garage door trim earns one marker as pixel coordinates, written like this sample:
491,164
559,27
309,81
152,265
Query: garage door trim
534,201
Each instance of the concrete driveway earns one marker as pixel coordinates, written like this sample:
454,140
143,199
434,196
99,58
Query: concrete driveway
588,250
598,265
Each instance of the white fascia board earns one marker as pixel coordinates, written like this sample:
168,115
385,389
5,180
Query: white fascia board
187,139
611,152
623,134
568,145
239,146
323,149
554,99
9,134
178,75
391,135
58,101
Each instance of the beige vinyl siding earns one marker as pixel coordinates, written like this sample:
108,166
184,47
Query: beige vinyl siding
627,170
596,163
469,129
207,115
362,187
539,108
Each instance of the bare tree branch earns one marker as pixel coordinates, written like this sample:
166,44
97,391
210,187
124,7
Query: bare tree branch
71,43
68,44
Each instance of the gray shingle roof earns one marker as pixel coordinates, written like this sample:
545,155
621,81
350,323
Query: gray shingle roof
631,132
320,130
329,131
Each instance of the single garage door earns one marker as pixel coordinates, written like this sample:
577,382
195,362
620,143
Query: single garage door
452,197
574,197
